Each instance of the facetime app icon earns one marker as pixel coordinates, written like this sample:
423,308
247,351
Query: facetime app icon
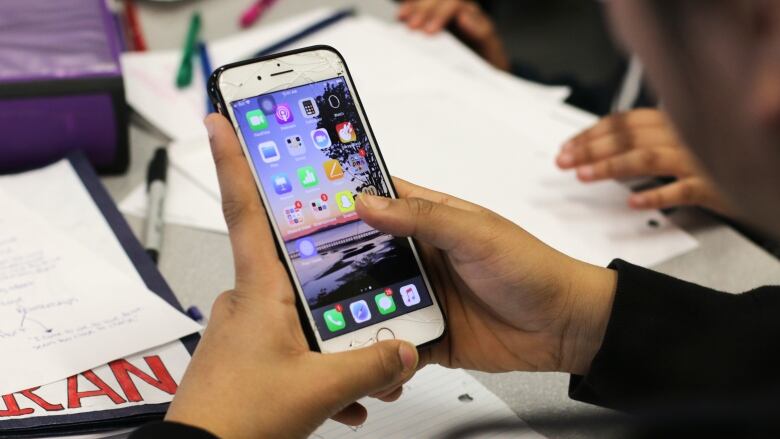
256,120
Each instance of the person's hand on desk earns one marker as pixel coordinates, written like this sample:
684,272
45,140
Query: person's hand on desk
512,302
642,143
432,16
253,374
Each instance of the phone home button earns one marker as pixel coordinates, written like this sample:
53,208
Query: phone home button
384,334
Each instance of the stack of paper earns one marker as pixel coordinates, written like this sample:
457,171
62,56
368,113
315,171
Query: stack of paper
449,121
72,301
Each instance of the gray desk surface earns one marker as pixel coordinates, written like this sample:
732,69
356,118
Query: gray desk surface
198,264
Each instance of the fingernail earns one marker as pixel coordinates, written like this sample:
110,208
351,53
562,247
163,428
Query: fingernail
568,146
374,202
638,200
565,159
209,127
431,27
408,355
586,172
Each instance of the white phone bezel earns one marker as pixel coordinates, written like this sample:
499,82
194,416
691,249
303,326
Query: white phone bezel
241,82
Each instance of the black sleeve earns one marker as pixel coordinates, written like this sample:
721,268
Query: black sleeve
668,340
170,430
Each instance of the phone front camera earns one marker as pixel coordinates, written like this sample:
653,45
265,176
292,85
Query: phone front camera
259,78
278,65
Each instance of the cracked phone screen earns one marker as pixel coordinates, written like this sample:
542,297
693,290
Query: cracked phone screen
313,156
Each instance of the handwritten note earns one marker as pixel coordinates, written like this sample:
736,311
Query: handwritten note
63,309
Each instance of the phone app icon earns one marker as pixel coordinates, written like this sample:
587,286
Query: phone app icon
385,302
360,311
333,169
321,138
319,206
269,152
293,214
334,320
410,295
257,120
307,248
281,183
307,177
295,145
346,201
346,132
309,108
283,114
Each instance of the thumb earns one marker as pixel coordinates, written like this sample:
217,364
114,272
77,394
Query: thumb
437,224
371,369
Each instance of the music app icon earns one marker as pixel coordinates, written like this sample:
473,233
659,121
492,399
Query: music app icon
410,295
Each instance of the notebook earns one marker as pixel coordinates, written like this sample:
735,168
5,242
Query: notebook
125,392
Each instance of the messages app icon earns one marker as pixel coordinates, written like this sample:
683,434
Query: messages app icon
257,120
385,302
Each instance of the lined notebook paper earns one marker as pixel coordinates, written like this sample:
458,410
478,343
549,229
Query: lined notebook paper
434,401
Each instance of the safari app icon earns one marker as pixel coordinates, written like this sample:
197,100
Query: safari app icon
360,311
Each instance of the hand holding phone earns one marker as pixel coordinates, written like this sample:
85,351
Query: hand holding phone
253,374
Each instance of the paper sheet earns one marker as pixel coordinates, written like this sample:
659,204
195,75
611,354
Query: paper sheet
56,192
63,309
434,401
149,76
193,190
461,127
510,169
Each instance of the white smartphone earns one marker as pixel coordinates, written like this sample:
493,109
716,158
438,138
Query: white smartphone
312,152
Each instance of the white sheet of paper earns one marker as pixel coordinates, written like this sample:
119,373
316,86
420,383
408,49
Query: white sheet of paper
56,192
149,76
432,404
510,170
63,309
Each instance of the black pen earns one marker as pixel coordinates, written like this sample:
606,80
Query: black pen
155,190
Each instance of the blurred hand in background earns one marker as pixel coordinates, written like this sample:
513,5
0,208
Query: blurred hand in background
642,143
467,19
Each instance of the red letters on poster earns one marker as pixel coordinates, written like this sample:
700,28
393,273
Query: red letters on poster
160,378
42,403
12,407
122,370
103,389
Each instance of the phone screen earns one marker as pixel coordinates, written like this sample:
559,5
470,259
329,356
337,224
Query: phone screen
313,156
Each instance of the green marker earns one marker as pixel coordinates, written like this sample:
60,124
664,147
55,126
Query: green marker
184,76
